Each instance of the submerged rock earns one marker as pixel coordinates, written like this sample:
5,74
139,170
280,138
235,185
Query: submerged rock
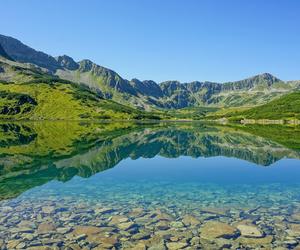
105,242
189,220
116,219
176,224
126,225
296,216
104,210
141,236
139,246
155,243
46,227
214,229
176,245
13,244
48,209
250,231
294,230
255,241
137,212
86,230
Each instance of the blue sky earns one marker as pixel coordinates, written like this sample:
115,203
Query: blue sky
165,39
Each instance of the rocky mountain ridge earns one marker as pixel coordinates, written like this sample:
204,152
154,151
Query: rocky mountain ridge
148,94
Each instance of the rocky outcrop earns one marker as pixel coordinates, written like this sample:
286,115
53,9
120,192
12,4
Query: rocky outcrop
67,62
108,77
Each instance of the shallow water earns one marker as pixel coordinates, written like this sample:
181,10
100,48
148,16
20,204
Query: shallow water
149,186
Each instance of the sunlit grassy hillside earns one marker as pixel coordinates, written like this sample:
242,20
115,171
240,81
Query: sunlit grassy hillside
27,92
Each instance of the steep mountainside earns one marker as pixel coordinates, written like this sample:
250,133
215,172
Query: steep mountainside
149,95
4,54
22,53
105,82
175,95
28,93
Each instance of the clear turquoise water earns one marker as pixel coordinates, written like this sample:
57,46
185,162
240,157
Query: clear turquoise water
217,188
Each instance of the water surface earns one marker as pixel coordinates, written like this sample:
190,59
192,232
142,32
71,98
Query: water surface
149,186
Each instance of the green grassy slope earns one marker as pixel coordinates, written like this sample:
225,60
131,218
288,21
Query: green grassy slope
29,93
44,101
286,107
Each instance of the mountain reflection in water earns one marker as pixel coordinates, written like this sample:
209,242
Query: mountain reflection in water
34,153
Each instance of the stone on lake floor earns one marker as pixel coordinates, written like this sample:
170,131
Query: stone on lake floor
48,209
141,236
87,230
155,242
296,216
13,244
214,229
139,246
107,242
103,210
45,228
21,230
217,211
6,209
294,230
159,246
255,241
40,248
250,231
80,237
195,240
176,224
162,225
71,246
63,230
126,225
163,217
116,219
26,224
137,212
21,245
189,220
176,245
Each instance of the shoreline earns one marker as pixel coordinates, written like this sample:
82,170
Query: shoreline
223,121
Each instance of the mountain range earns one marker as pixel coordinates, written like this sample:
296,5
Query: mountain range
144,95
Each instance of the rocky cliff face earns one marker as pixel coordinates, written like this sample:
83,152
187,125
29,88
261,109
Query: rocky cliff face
147,88
67,62
108,77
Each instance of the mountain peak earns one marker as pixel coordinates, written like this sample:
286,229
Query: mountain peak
23,53
266,75
267,78
67,62
85,65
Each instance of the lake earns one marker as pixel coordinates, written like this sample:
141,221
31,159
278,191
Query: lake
73,185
